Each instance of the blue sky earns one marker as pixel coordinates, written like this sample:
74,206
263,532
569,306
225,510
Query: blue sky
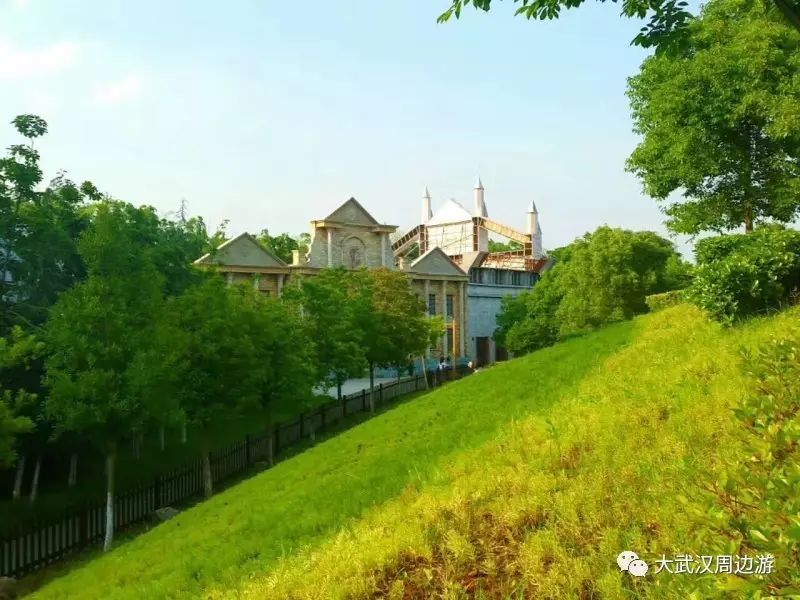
271,114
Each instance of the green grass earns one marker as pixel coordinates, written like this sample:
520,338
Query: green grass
239,535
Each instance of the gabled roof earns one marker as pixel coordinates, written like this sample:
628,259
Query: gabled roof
436,262
450,212
353,213
242,251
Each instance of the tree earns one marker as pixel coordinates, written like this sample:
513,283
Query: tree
14,403
331,311
508,246
598,279
665,29
94,333
394,322
283,245
718,122
38,232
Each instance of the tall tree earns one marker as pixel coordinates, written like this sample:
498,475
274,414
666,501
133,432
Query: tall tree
283,244
719,121
331,311
667,19
94,333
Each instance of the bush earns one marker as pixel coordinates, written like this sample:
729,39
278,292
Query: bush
742,275
661,301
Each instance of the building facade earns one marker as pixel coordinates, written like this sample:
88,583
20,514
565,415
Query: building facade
446,258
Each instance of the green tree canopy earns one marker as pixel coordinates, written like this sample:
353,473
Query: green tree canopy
667,20
598,279
719,121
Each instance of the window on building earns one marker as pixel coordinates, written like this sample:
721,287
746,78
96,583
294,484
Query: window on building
449,305
431,304
516,278
475,276
498,276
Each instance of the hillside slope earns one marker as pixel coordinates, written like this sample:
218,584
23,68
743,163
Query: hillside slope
523,481
243,532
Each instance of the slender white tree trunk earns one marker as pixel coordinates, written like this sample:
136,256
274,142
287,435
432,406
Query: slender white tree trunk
183,432
208,488
73,469
111,457
18,478
371,387
35,483
162,440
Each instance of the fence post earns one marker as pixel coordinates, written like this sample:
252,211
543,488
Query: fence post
344,405
269,449
157,493
380,394
277,438
323,411
83,523
363,399
247,450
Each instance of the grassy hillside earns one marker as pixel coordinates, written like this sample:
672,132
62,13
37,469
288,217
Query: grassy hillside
523,481
244,532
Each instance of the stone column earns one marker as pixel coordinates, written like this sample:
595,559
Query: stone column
384,237
280,283
444,315
330,247
427,311
462,330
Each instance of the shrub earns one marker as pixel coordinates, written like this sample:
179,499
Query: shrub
742,275
754,499
661,301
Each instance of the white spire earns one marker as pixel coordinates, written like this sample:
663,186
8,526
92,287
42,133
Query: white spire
532,208
426,206
479,207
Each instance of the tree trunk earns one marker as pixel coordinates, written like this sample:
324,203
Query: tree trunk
424,371
748,221
111,456
790,12
73,470
208,488
339,390
371,387
183,432
18,479
35,483
161,438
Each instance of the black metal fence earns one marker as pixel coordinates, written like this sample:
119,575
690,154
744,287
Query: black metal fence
42,543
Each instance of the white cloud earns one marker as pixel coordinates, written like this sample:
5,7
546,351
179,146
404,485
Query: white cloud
21,63
118,91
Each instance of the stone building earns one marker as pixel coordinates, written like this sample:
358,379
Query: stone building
352,238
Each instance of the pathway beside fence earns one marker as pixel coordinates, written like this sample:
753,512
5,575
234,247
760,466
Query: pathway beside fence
47,542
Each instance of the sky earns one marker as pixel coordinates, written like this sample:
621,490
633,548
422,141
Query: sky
271,114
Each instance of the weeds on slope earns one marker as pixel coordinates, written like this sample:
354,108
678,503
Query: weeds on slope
543,510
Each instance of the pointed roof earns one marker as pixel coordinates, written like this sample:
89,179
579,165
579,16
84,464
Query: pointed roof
479,184
450,212
426,194
436,262
352,212
242,251
532,208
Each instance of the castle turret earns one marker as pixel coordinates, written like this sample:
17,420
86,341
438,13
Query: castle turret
479,209
534,230
427,214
